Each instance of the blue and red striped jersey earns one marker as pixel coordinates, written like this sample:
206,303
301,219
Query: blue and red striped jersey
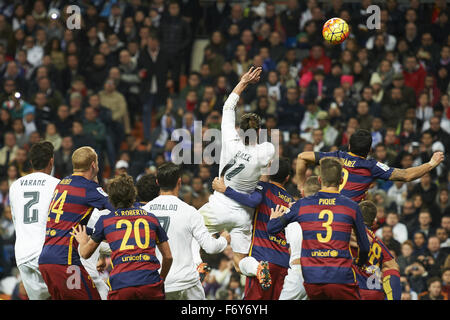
132,234
357,172
266,247
327,219
369,275
74,198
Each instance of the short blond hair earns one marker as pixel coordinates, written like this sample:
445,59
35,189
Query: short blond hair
330,172
82,158
311,186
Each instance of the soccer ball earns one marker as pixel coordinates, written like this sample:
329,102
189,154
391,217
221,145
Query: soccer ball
335,30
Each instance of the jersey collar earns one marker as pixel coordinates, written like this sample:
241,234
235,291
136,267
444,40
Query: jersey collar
355,155
325,191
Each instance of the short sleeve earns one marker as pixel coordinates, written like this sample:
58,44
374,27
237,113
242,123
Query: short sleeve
98,198
381,171
98,234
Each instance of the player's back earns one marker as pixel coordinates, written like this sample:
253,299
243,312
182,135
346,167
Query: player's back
369,275
30,198
132,235
74,198
176,218
357,172
327,219
241,166
272,248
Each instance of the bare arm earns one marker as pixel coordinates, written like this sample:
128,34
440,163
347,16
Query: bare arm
167,259
414,173
307,156
252,76
301,173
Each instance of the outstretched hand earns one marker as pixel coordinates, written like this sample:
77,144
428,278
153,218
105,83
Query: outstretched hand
436,159
252,76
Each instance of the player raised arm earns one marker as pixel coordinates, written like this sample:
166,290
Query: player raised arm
414,173
251,200
228,114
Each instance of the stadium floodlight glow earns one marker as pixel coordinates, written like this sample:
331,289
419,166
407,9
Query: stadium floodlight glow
17,95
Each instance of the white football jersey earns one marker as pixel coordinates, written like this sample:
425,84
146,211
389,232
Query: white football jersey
30,198
294,236
183,224
240,164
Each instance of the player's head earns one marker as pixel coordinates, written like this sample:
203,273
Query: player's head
169,176
147,188
360,142
121,191
330,172
311,186
369,212
41,156
85,160
250,124
284,171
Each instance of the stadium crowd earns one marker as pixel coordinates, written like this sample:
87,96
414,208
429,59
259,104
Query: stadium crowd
123,82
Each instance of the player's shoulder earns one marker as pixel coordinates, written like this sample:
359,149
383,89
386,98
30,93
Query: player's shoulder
346,201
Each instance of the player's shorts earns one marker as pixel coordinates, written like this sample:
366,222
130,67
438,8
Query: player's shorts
154,291
195,292
238,222
91,267
253,290
371,294
68,282
332,291
293,288
32,280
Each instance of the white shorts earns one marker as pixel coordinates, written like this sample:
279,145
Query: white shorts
32,280
293,288
91,267
238,222
193,293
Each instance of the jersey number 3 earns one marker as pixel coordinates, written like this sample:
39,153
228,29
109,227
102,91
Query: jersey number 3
326,225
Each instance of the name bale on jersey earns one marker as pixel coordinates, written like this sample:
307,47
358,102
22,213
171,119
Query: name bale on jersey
244,156
163,207
32,183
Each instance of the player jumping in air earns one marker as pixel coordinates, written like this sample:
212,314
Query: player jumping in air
133,234
380,276
267,253
241,164
30,197
359,172
327,219
74,198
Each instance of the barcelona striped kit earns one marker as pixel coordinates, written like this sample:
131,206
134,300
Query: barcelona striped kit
132,235
73,200
369,275
266,247
327,219
357,173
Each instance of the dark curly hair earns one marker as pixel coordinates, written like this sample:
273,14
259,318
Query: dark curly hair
249,121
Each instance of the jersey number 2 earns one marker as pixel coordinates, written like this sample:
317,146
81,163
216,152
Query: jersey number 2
30,217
